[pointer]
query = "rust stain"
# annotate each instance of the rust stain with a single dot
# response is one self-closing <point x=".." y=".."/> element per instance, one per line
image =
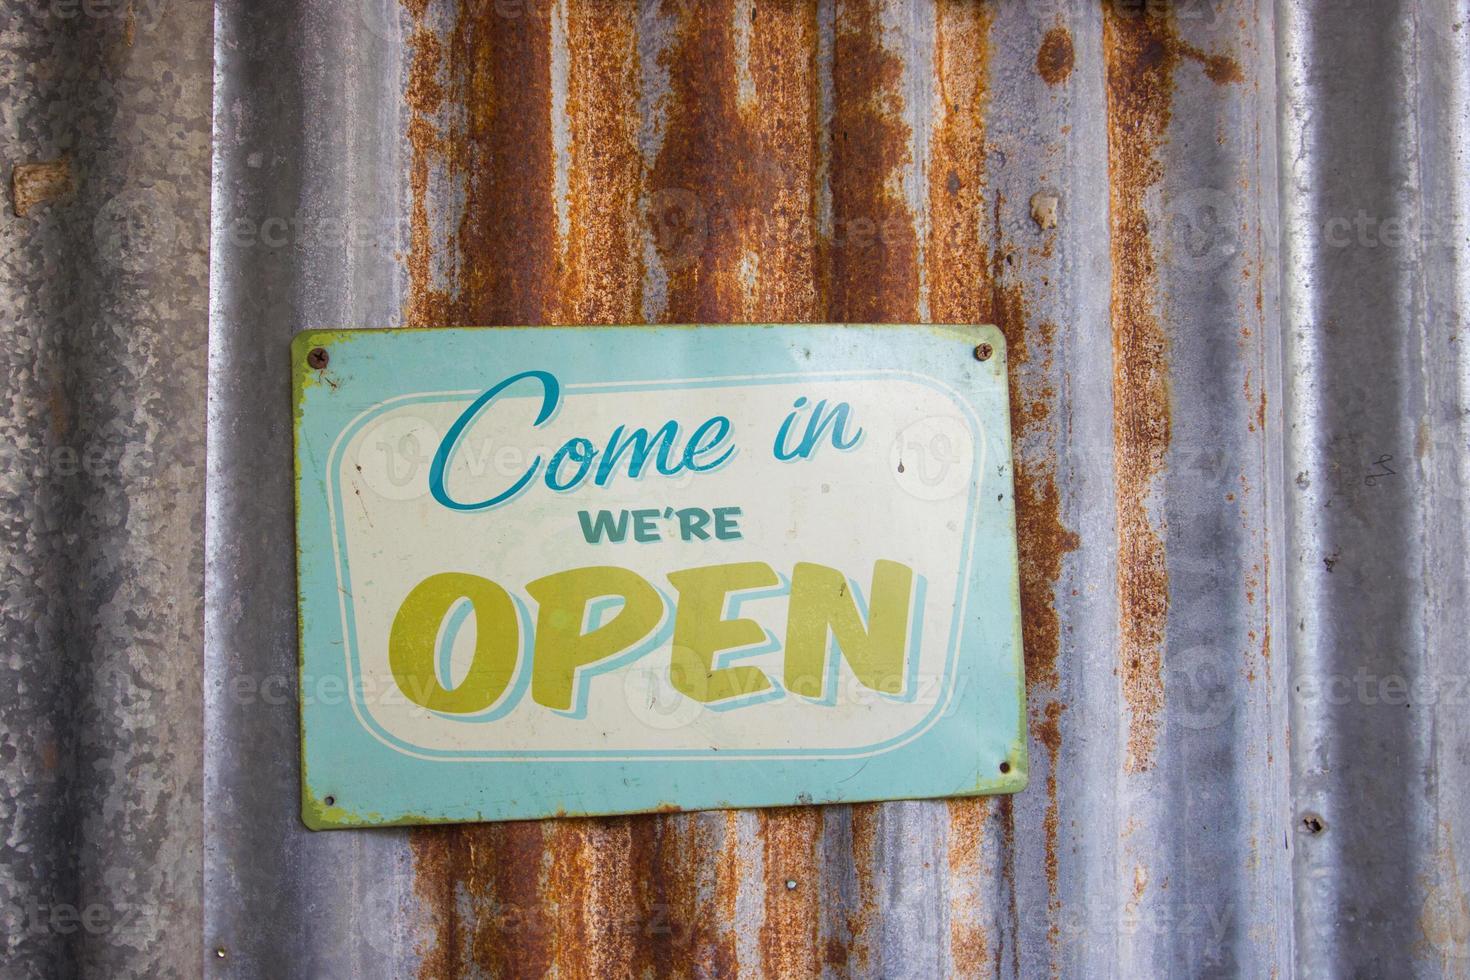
<point x="675" y="920"/>
<point x="874" y="247"/>
<point x="425" y="98"/>
<point x="790" y="841"/>
<point x="1048" y="731"/>
<point x="956" y="257"/>
<point x="1055" y="57"/>
<point x="33" y="184"/>
<point x="498" y="869"/>
<point x="969" y="943"/>
<point x="861" y="960"/>
<point x="968" y="267"/>
<point x="1219" y="68"/>
<point x="732" y="221"/>
<point x="1140" y="54"/>
<point x="603" y="253"/>
<point x="656" y="895"/>
<point x="592" y="887"/>
<point x="701" y="198"/>
<point x="785" y="118"/>
<point x="501" y="256"/>
<point x="732" y="191"/>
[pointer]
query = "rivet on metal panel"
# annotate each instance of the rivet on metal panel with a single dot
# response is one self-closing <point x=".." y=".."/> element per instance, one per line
<point x="1005" y="767"/>
<point x="317" y="358"/>
<point x="791" y="884"/>
<point x="983" y="352"/>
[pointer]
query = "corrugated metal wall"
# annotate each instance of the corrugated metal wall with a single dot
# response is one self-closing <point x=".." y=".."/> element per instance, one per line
<point x="1224" y="239"/>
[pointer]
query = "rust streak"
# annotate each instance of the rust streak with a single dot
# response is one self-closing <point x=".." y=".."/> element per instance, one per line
<point x="425" y="98"/>
<point x="956" y="258"/>
<point x="703" y="191"/>
<point x="784" y="118"/>
<point x="874" y="248"/>
<point x="480" y="109"/>
<point x="33" y="184"/>
<point x="969" y="943"/>
<point x="789" y="933"/>
<point x="602" y="281"/>
<point x="498" y="870"/>
<point x="968" y="278"/>
<point x="861" y="960"/>
<point x="1140" y="54"/>
<point x="500" y="895"/>
<point x="1048" y="731"/>
<point x="1221" y="69"/>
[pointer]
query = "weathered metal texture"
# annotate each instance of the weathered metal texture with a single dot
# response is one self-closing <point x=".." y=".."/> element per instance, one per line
<point x="1139" y="194"/>
<point x="105" y="135"/>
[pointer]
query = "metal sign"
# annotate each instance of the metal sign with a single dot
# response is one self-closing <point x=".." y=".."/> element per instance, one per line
<point x="549" y="571"/>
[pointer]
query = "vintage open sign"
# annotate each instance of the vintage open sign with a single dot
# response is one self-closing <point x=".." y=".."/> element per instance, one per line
<point x="564" y="570"/>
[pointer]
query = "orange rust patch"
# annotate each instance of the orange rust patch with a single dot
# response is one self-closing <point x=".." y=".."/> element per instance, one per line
<point x="788" y="936"/>
<point x="732" y="191"/>
<point x="496" y="867"/>
<point x="592" y="886"/>
<point x="969" y="944"/>
<point x="1219" y="68"/>
<point x="874" y="248"/>
<point x="955" y="257"/>
<point x="1048" y="731"/>
<point x="1140" y="54"/>
<point x="501" y="257"/>
<point x="785" y="121"/>
<point x="1043" y="541"/>
<point x="1055" y="57"/>
<point x="864" y="816"/>
<point x="700" y="198"/>
<point x="603" y="275"/>
<point x="33" y="184"/>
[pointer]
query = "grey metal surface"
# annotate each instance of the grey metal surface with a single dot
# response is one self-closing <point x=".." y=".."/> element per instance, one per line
<point x="105" y="132"/>
<point x="1245" y="636"/>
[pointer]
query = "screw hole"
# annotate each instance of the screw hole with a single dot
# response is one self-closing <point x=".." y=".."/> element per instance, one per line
<point x="983" y="352"/>
<point x="1005" y="767"/>
<point x="1313" y="824"/>
<point x="317" y="358"/>
<point x="330" y="801"/>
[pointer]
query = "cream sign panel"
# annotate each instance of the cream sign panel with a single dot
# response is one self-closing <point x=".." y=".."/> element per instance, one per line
<point x="581" y="570"/>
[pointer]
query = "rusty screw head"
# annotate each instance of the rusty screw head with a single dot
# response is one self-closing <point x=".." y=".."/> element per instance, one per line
<point x="317" y="358"/>
<point x="983" y="352"/>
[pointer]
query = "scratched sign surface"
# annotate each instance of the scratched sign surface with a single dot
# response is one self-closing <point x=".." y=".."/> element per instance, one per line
<point x="551" y="571"/>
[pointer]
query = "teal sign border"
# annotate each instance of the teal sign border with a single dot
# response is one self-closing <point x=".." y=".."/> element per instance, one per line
<point x="350" y="778"/>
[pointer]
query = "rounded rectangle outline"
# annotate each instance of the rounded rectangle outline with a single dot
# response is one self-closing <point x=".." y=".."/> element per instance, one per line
<point x="373" y="727"/>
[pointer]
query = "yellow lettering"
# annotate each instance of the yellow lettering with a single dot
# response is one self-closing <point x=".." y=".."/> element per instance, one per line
<point x="700" y="632"/>
<point x="413" y="643"/>
<point x="562" y="648"/>
<point x="822" y="602"/>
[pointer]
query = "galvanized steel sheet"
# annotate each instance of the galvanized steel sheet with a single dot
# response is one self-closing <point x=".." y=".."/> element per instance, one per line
<point x="1223" y="240"/>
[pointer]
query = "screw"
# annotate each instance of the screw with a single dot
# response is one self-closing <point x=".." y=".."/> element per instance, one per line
<point x="317" y="358"/>
<point x="220" y="953"/>
<point x="983" y="352"/>
<point x="1005" y="767"/>
<point x="791" y="884"/>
